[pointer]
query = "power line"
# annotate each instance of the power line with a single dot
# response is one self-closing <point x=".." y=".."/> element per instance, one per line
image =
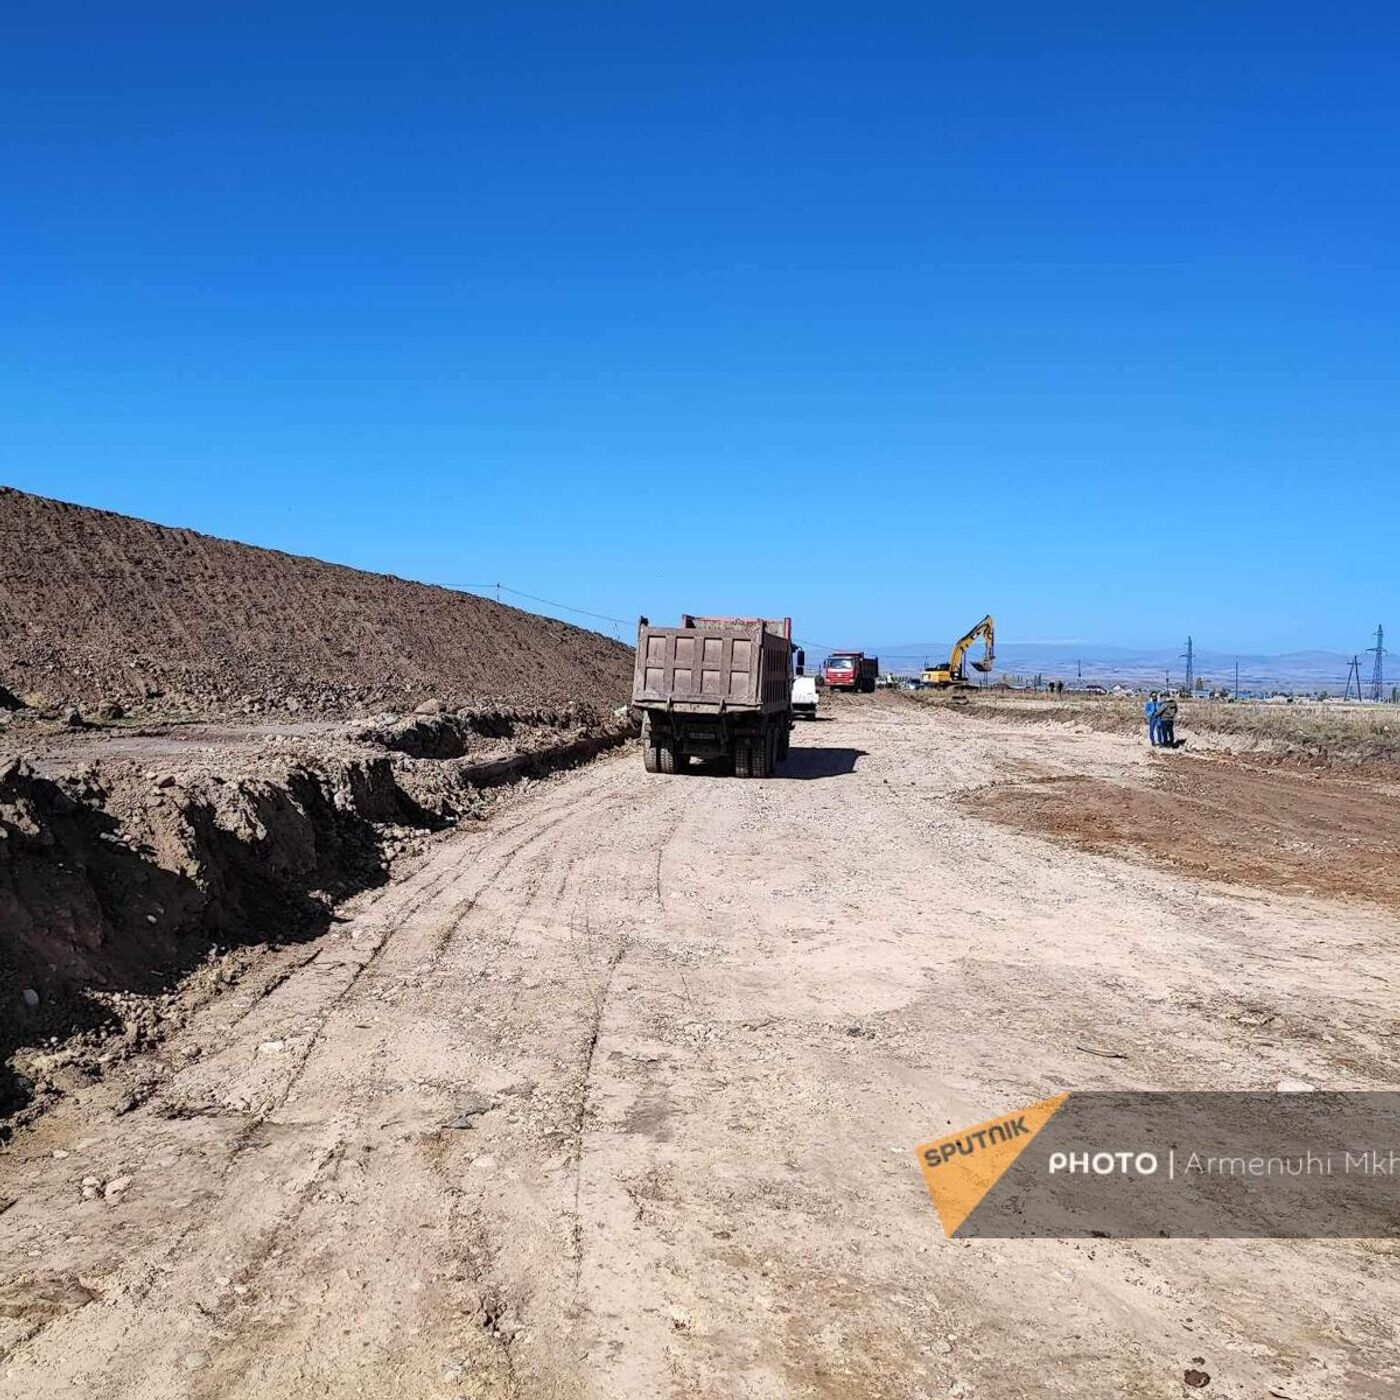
<point x="534" y="598"/>
<point x="499" y="588"/>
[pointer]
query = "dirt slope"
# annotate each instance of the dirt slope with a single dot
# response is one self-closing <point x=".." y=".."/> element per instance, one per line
<point x="96" y="606"/>
<point x="616" y="1095"/>
<point x="119" y="877"/>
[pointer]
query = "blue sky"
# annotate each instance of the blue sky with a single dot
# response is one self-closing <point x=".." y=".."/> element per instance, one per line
<point x="884" y="317"/>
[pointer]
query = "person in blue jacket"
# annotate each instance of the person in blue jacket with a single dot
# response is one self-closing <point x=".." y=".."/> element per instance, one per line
<point x="1150" y="711"/>
<point x="1166" y="722"/>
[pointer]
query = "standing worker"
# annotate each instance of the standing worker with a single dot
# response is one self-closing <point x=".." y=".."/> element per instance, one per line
<point x="1166" y="723"/>
<point x="1150" y="711"/>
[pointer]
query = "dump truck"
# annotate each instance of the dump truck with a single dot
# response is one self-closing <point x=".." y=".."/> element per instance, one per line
<point x="851" y="670"/>
<point x="715" y="688"/>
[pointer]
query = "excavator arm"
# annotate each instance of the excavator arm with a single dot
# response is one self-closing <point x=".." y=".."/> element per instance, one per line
<point x="986" y="631"/>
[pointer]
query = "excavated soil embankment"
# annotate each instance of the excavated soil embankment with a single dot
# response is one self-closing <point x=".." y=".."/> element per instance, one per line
<point x="100" y="610"/>
<point x="186" y="766"/>
<point x="118" y="880"/>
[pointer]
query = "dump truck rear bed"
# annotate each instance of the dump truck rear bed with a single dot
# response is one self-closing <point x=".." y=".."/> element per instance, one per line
<point x="715" y="688"/>
<point x="712" y="668"/>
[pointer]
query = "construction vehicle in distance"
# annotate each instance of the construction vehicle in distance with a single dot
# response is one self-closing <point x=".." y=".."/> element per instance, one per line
<point x="715" y="688"/>
<point x="953" y="675"/>
<point x="851" y="670"/>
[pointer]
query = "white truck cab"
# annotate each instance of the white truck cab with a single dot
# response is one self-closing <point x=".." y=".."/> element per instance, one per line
<point x="804" y="697"/>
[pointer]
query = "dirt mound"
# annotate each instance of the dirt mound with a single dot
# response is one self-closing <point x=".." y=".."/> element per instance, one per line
<point x="97" y="607"/>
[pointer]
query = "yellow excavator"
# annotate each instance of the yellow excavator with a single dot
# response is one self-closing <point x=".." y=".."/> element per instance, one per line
<point x="953" y="674"/>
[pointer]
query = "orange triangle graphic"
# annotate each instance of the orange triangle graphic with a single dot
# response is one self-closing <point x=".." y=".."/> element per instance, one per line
<point x="962" y="1168"/>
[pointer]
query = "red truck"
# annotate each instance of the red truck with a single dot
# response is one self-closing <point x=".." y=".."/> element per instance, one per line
<point x="850" y="670"/>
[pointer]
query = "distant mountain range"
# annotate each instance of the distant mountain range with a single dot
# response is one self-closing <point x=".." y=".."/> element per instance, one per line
<point x="1116" y="665"/>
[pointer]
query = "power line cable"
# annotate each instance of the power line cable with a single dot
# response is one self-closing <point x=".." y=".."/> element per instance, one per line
<point x="500" y="588"/>
<point x="534" y="598"/>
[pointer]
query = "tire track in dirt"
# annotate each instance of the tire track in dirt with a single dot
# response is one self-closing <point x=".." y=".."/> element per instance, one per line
<point x="164" y="1106"/>
<point x="594" y="860"/>
<point x="383" y="930"/>
<point x="581" y="1118"/>
<point x="529" y="887"/>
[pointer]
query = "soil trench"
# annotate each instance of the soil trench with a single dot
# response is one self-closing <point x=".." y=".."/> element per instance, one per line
<point x="117" y="881"/>
<point x="616" y="1094"/>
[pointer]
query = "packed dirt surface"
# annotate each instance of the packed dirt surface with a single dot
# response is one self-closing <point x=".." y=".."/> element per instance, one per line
<point x="107" y="613"/>
<point x="616" y="1095"/>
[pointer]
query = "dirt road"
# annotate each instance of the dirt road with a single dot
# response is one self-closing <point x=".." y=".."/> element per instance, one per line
<point x="616" y="1096"/>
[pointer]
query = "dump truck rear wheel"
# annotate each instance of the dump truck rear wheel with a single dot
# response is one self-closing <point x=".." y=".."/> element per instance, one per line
<point x="743" y="759"/>
<point x="761" y="755"/>
<point x="669" y="758"/>
<point x="651" y="760"/>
